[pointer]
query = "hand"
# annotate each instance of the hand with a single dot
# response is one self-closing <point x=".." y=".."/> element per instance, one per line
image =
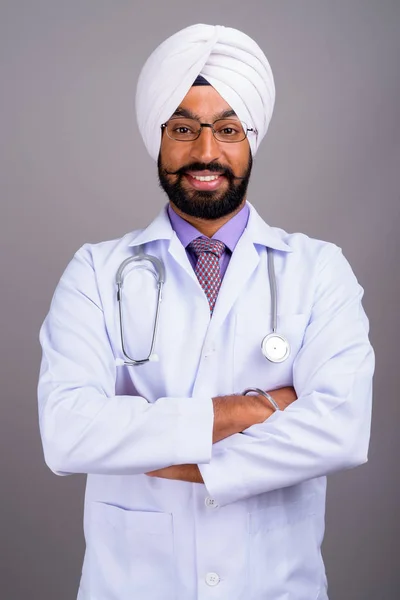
<point x="190" y="473"/>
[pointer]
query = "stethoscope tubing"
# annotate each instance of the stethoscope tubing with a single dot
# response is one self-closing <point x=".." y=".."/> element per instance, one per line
<point x="159" y="275"/>
<point x="273" y="289"/>
<point x="158" y="271"/>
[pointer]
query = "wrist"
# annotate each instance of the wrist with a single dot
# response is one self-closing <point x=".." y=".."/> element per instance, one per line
<point x="266" y="395"/>
<point x="231" y="415"/>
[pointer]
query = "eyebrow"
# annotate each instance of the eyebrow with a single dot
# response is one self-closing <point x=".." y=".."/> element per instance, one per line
<point x="185" y="112"/>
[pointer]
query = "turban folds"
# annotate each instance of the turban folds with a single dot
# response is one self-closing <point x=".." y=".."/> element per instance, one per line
<point x="232" y="63"/>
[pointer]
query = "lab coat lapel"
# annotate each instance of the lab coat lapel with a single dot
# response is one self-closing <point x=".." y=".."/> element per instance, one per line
<point x="178" y="253"/>
<point x="242" y="264"/>
<point x="160" y="229"/>
<point x="245" y="259"/>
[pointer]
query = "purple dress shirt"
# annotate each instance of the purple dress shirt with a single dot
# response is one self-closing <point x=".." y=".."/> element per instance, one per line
<point x="229" y="234"/>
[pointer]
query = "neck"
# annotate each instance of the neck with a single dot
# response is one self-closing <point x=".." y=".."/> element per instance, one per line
<point x="205" y="226"/>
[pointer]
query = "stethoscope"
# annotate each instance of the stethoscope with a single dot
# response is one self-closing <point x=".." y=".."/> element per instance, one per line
<point x="275" y="347"/>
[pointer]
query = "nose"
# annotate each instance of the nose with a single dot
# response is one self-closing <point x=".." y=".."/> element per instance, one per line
<point x="206" y="148"/>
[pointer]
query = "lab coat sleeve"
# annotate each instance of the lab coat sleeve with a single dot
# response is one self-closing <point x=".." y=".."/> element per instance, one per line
<point x="328" y="427"/>
<point x="84" y="426"/>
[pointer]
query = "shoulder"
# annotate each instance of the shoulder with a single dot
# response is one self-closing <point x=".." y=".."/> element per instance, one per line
<point x="315" y="260"/>
<point x="101" y="253"/>
<point x="293" y="247"/>
<point x="307" y="248"/>
<point x="93" y="263"/>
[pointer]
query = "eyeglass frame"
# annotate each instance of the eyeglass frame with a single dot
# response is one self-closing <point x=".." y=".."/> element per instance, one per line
<point x="211" y="125"/>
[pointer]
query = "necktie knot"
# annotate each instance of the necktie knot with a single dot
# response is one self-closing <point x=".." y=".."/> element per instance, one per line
<point x="208" y="253"/>
<point x="200" y="245"/>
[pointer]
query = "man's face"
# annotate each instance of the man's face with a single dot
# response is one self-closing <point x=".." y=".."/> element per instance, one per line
<point x="180" y="164"/>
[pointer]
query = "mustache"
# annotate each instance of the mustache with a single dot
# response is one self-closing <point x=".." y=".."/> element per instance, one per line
<point x="212" y="167"/>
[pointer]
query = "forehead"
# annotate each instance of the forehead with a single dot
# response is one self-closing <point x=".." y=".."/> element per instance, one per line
<point x="204" y="101"/>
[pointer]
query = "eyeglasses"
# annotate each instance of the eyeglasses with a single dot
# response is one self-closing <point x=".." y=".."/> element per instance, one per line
<point x="224" y="130"/>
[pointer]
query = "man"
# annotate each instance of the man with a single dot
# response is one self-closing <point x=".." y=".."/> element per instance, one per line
<point x="197" y="489"/>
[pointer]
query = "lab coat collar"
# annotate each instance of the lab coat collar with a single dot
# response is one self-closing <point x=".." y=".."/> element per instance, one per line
<point x="257" y="230"/>
<point x="263" y="234"/>
<point x="159" y="229"/>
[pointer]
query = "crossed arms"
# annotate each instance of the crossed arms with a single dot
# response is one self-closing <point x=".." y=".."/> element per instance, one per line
<point x="232" y="414"/>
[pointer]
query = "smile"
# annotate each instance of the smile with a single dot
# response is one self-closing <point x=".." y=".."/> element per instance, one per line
<point x="208" y="182"/>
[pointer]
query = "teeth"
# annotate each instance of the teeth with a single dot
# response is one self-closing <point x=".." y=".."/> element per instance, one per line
<point x="205" y="177"/>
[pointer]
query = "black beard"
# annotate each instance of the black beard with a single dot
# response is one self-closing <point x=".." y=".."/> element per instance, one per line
<point x="205" y="204"/>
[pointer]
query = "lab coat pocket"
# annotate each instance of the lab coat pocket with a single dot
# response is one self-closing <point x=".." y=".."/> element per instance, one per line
<point x="130" y="554"/>
<point x="284" y="556"/>
<point x="251" y="368"/>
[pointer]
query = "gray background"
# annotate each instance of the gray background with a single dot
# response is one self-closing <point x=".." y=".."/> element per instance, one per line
<point x="74" y="170"/>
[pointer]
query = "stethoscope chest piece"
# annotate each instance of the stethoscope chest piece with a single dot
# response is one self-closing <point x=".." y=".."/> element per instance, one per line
<point x="275" y="347"/>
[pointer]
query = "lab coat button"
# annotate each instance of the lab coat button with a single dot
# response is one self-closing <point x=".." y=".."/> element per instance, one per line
<point x="209" y="351"/>
<point x="212" y="579"/>
<point x="211" y="503"/>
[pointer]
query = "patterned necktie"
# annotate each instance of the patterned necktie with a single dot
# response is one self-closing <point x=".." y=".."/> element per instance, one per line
<point x="207" y="269"/>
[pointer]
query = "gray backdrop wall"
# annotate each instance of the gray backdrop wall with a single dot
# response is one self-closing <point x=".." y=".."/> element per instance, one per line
<point x="74" y="170"/>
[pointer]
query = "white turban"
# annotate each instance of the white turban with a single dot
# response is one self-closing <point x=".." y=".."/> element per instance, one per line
<point x="230" y="61"/>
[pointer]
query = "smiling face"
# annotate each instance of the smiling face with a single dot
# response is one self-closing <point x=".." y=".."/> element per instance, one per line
<point x="204" y="178"/>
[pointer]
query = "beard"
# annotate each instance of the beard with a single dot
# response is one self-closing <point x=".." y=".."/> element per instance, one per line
<point x="205" y="204"/>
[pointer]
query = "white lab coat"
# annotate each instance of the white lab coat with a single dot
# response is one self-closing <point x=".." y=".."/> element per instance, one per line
<point x="253" y="531"/>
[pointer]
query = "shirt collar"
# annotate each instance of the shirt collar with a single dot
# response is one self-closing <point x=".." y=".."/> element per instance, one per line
<point x="229" y="233"/>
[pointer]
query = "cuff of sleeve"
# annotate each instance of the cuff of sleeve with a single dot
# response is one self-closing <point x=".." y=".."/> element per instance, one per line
<point x="194" y="431"/>
<point x="223" y="488"/>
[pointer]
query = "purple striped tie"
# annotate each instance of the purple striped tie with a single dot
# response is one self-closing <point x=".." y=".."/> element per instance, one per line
<point x="207" y="269"/>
